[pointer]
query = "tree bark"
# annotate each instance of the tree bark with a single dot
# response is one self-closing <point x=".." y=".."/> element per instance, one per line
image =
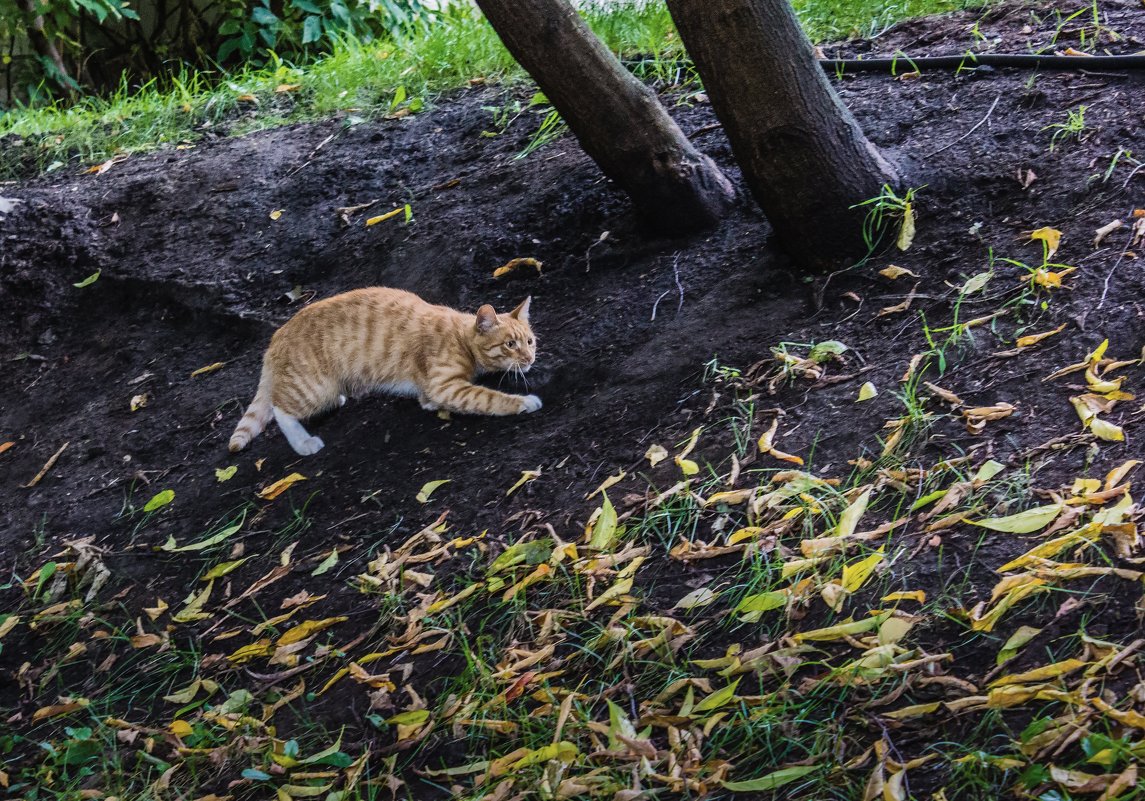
<point x="617" y="119"/>
<point x="803" y="155"/>
<point x="45" y="48"/>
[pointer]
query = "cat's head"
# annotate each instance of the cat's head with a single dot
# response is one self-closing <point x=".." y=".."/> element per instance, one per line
<point x="505" y="341"/>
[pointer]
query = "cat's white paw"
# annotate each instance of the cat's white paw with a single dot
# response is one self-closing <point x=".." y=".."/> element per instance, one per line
<point x="341" y="401"/>
<point x="309" y="446"/>
<point x="530" y="403"/>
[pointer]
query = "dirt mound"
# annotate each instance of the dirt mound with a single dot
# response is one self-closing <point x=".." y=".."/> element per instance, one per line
<point x="202" y="251"/>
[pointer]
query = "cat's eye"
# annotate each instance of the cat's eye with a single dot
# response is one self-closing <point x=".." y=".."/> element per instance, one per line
<point x="530" y="340"/>
<point x="512" y="343"/>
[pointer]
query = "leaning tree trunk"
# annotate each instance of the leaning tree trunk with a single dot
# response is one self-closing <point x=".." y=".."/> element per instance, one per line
<point x="617" y="119"/>
<point x="802" y="153"/>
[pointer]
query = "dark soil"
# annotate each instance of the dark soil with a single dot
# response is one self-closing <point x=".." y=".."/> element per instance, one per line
<point x="194" y="271"/>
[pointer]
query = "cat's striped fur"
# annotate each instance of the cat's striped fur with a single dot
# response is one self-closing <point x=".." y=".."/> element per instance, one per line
<point x="389" y="340"/>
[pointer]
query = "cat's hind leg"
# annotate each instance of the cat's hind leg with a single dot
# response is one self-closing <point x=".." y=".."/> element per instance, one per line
<point x="296" y="435"/>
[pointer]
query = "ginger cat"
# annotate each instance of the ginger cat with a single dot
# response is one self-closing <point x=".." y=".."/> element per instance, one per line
<point x="389" y="340"/>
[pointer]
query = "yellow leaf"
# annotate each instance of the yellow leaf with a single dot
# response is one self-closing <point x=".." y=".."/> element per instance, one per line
<point x="526" y="476"/>
<point x="221" y="569"/>
<point x="514" y="264"/>
<point x="389" y="215"/>
<point x="159" y="500"/>
<point x="274" y="215"/>
<point x="1033" y="339"/>
<point x="913" y="595"/>
<point x="655" y="454"/>
<point x="1025" y="522"/>
<point x="91" y="279"/>
<point x="867" y="391"/>
<point x="894" y="629"/>
<point x="1056" y="670"/>
<point x="604" y="531"/>
<point x="1051" y="236"/>
<point x="280" y="486"/>
<point x="1107" y="431"/>
<point x="719" y="698"/>
<point x="766" y="446"/>
<point x="1118" y="474"/>
<point x="307" y="628"/>
<point x="194" y="608"/>
<point x="139" y="401"/>
<point x="730" y="497"/>
<point x="186" y="695"/>
<point x="858" y="572"/>
<point x="608" y="482"/>
<point x="1014" y="644"/>
<point x="154" y="612"/>
<point x="428" y="488"/>
<point x="851" y="515"/>
<point x="906" y="233"/>
<point x="287" y="87"/>
<point x="210" y="368"/>
<point x="915" y="711"/>
<point x="687" y="466"/>
<point x="892" y="272"/>
<point x="326" y="563"/>
<point x="8" y="623"/>
<point x="179" y="728"/>
<point x="696" y="598"/>
<point x="849" y="628"/>
<point x="414" y="717"/>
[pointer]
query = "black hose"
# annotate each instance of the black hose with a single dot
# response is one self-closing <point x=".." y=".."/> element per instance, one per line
<point x="967" y="61"/>
<point x="972" y="60"/>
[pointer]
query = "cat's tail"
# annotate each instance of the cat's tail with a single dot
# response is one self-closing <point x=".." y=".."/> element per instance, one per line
<point x="257" y="415"/>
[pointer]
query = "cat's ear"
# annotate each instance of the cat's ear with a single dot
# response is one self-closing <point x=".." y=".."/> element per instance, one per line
<point x="522" y="312"/>
<point x="486" y="319"/>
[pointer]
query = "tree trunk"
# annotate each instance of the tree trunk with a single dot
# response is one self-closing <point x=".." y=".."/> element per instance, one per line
<point x="802" y="153"/>
<point x="617" y="119"/>
<point x="45" y="48"/>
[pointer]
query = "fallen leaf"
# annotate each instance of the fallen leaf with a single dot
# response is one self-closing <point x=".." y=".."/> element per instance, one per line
<point x="6" y="445"/>
<point x="514" y="264"/>
<point x="526" y="476"/>
<point x="608" y="482"/>
<point x="906" y="233"/>
<point x="326" y="563"/>
<point x="1107" y="431"/>
<point x="308" y="628"/>
<point x="210" y="368"/>
<point x="428" y="489"/>
<point x="771" y="781"/>
<point x="899" y="307"/>
<point x="274" y="215"/>
<point x="655" y="454"/>
<point x="856" y="573"/>
<point x="1025" y="522"/>
<point x="214" y="539"/>
<point x="139" y="401"/>
<point x="867" y="391"/>
<point x="1015" y="643"/>
<point x="976" y="283"/>
<point x="280" y="486"/>
<point x="696" y="599"/>
<point x="389" y="215"/>
<point x="91" y="279"/>
<point x="1052" y="238"/>
<point x="193" y="610"/>
<point x="225" y="473"/>
<point x="1033" y="339"/>
<point x="159" y="500"/>
<point x="892" y="272"/>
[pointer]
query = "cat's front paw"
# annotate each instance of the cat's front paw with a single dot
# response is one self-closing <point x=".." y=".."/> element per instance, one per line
<point x="530" y="403"/>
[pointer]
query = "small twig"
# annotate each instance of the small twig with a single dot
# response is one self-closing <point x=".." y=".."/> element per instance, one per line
<point x="679" y="286"/>
<point x="1113" y="269"/>
<point x="47" y="466"/>
<point x="715" y="126"/>
<point x="1136" y="170"/>
<point x="972" y="130"/>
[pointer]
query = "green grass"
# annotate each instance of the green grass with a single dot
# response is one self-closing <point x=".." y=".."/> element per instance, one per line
<point x="360" y="81"/>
